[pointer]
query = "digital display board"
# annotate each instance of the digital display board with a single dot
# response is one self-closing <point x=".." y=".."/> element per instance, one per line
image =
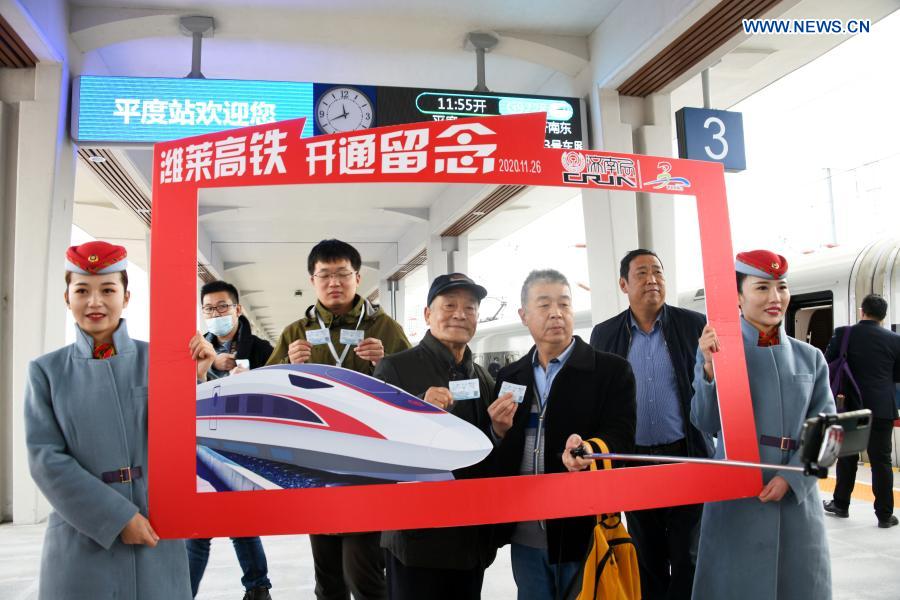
<point x="143" y="109"/>
<point x="395" y="106"/>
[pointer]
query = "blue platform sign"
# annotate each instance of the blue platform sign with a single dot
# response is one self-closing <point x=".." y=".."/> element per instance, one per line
<point x="712" y="135"/>
<point x="151" y="109"/>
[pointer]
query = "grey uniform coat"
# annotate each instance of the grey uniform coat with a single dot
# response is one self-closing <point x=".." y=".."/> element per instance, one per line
<point x="84" y="417"/>
<point x="776" y="550"/>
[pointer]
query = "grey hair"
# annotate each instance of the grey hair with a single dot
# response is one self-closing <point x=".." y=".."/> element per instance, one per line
<point x="543" y="275"/>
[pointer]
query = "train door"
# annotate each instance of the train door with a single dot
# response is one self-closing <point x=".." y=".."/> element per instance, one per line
<point x="810" y="318"/>
<point x="213" y="420"/>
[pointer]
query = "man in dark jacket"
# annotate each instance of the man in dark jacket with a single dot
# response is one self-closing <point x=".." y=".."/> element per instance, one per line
<point x="660" y="343"/>
<point x="443" y="562"/>
<point x="229" y="331"/>
<point x="230" y="336"/>
<point x="567" y="393"/>
<point x="873" y="354"/>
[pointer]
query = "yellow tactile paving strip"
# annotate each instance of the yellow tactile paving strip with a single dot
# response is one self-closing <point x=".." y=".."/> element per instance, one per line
<point x="862" y="490"/>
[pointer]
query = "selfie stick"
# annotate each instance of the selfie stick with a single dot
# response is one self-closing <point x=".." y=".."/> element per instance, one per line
<point x="826" y="448"/>
<point x="698" y="461"/>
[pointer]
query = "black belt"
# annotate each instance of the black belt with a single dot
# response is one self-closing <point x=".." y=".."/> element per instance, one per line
<point x="676" y="448"/>
<point x="122" y="475"/>
<point x="782" y="443"/>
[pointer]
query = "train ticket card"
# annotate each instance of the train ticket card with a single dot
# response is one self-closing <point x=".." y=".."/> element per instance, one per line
<point x="518" y="391"/>
<point x="317" y="336"/>
<point x="465" y="389"/>
<point x="352" y="337"/>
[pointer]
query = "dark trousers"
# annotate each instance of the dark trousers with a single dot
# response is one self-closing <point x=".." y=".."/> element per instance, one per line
<point x="250" y="555"/>
<point x="666" y="543"/>
<point x="666" y="540"/>
<point x="349" y="563"/>
<point x="420" y="583"/>
<point x="879" y="451"/>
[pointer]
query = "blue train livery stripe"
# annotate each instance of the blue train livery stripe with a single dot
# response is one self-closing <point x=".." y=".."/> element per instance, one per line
<point x="257" y="405"/>
<point x="367" y="385"/>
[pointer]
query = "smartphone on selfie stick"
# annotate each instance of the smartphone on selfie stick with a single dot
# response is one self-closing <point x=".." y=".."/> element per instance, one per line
<point x="826" y="438"/>
<point x="823" y="439"/>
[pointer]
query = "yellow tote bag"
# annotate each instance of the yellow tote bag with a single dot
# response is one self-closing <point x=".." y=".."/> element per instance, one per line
<point x="610" y="570"/>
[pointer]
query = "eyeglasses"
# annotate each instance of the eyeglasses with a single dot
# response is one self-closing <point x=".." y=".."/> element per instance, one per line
<point x="220" y="308"/>
<point x="340" y="275"/>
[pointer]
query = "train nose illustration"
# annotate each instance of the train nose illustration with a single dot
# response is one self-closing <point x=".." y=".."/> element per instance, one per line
<point x="335" y="420"/>
<point x="458" y="438"/>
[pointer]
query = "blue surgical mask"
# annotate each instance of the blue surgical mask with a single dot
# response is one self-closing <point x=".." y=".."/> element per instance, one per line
<point x="220" y="326"/>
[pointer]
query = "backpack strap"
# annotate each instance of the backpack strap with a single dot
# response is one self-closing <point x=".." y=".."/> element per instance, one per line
<point x="611" y="520"/>
<point x="845" y="341"/>
<point x="599" y="447"/>
<point x="839" y="373"/>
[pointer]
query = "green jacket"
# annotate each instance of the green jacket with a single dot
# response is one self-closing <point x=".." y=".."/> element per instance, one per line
<point x="376" y="323"/>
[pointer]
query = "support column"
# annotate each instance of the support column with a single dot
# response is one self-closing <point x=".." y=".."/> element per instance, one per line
<point x="617" y="222"/>
<point x="610" y="218"/>
<point x="6" y="418"/>
<point x="457" y="251"/>
<point x="392" y="298"/>
<point x="400" y="301"/>
<point x="656" y="212"/>
<point x="437" y="257"/>
<point x="38" y="169"/>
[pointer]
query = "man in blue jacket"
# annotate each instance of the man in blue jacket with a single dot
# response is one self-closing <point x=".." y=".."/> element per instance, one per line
<point x="660" y="343"/>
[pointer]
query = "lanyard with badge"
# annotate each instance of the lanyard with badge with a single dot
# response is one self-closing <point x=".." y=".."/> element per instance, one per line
<point x="349" y="337"/>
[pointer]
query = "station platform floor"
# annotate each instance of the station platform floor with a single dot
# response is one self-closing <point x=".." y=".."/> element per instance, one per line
<point x="865" y="560"/>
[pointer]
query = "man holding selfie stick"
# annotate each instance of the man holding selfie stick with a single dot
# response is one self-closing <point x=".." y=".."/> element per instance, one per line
<point x="555" y="398"/>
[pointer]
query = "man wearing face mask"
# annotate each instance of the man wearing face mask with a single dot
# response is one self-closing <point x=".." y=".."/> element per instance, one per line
<point x="230" y="336"/>
<point x="229" y="331"/>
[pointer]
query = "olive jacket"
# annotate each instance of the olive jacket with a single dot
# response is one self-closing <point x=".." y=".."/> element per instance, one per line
<point x="375" y="323"/>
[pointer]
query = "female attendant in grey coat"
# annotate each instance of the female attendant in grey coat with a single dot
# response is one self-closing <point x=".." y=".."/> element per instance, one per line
<point x="86" y="431"/>
<point x="773" y="545"/>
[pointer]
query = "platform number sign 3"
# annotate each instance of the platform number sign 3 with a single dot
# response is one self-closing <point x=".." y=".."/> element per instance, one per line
<point x="711" y="135"/>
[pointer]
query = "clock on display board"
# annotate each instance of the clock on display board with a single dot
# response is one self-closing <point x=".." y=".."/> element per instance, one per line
<point x="344" y="108"/>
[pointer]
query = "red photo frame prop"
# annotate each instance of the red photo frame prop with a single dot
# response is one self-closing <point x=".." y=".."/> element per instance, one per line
<point x="494" y="150"/>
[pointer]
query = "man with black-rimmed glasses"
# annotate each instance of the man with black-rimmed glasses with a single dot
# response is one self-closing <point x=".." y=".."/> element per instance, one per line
<point x="228" y="330"/>
<point x="346" y="330"/>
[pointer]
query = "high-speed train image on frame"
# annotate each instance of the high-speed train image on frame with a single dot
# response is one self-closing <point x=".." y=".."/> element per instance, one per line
<point x="335" y="420"/>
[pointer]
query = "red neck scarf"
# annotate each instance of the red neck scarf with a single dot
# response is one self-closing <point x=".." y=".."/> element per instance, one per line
<point x="102" y="351"/>
<point x="768" y="339"/>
